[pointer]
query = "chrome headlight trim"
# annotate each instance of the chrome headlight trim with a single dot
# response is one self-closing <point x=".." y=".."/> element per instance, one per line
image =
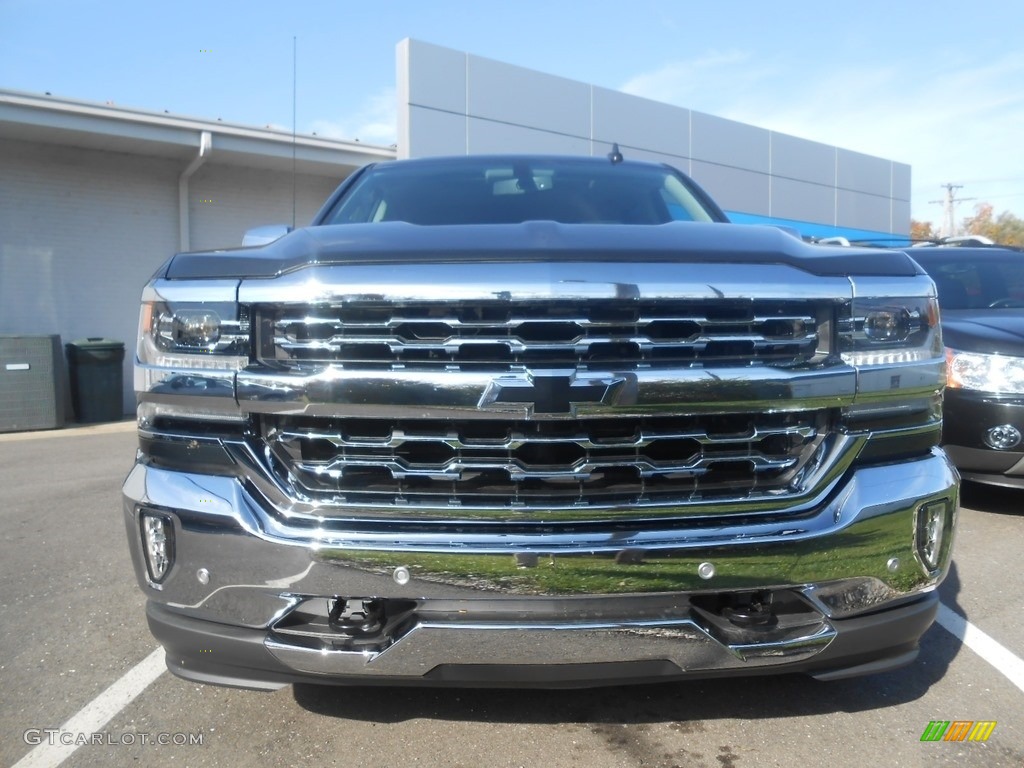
<point x="891" y="331"/>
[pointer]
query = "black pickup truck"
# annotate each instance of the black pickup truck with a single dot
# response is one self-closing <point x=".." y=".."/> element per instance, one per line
<point x="546" y="421"/>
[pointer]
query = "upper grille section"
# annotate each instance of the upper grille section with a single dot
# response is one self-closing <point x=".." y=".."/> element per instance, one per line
<point x="500" y="335"/>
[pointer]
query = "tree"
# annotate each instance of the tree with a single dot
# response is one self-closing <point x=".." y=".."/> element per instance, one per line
<point x="922" y="230"/>
<point x="1005" y="229"/>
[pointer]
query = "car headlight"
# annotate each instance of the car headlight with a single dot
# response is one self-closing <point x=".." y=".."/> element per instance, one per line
<point x="887" y="331"/>
<point x="987" y="373"/>
<point x="193" y="335"/>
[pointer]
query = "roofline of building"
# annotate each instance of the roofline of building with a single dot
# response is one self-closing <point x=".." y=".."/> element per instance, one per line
<point x="68" y="117"/>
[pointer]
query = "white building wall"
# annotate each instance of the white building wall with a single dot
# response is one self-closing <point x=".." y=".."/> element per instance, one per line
<point x="80" y="234"/>
<point x="225" y="201"/>
<point x="83" y="230"/>
<point x="451" y="102"/>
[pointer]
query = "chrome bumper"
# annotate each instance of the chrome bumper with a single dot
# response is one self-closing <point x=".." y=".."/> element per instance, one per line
<point x="522" y="598"/>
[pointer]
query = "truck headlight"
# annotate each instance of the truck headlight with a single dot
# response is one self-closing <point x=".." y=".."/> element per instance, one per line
<point x="203" y="335"/>
<point x="887" y="331"/>
<point x="987" y="373"/>
<point x="188" y="328"/>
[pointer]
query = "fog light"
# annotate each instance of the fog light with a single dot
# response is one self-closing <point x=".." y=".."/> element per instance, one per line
<point x="1003" y="437"/>
<point x="158" y="544"/>
<point x="932" y="531"/>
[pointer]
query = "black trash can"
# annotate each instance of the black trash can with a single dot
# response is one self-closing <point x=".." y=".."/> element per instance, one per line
<point x="97" y="379"/>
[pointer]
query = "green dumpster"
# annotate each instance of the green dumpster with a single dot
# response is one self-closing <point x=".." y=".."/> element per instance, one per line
<point x="97" y="380"/>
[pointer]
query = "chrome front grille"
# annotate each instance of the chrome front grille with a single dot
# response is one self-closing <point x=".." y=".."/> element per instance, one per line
<point x="542" y="465"/>
<point x="580" y="334"/>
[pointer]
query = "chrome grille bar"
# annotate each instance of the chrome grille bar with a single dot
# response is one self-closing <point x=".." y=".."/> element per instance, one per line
<point x="398" y="436"/>
<point x="541" y="463"/>
<point x="779" y="332"/>
<point x="455" y="469"/>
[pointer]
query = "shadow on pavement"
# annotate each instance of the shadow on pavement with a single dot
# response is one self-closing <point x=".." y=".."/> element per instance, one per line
<point x="992" y="498"/>
<point x="747" y="698"/>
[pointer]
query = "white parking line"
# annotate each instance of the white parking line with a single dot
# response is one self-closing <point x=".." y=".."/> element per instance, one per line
<point x="97" y="712"/>
<point x="1005" y="661"/>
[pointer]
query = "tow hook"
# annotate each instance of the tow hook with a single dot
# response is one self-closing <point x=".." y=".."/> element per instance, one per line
<point x="751" y="611"/>
<point x="357" y="618"/>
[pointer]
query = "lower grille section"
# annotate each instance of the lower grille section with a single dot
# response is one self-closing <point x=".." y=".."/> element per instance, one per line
<point x="712" y="631"/>
<point x="543" y="465"/>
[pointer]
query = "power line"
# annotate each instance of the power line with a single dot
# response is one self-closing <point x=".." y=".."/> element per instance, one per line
<point x="1008" y="194"/>
<point x="993" y="181"/>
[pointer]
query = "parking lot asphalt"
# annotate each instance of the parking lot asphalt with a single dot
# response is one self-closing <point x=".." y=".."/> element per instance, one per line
<point x="72" y="626"/>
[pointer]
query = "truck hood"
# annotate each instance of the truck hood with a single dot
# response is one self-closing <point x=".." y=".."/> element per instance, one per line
<point x="985" y="331"/>
<point x="535" y="241"/>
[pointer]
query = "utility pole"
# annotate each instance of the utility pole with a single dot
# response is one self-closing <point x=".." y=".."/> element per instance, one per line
<point x="948" y="228"/>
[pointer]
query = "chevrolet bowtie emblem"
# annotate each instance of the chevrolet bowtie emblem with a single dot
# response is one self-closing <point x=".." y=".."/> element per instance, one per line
<point x="549" y="393"/>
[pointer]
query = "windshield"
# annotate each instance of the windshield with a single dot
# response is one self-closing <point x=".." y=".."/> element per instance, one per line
<point x="976" y="281"/>
<point x="482" y="190"/>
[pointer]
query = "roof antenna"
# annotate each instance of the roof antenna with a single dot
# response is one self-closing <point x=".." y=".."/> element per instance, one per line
<point x="295" y="48"/>
<point x="615" y="156"/>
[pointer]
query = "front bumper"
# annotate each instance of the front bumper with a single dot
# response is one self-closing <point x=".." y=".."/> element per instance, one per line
<point x="840" y="590"/>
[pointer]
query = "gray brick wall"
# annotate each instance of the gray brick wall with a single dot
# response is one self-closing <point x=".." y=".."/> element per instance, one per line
<point x="241" y="198"/>
<point x="82" y="230"/>
<point x="80" y="233"/>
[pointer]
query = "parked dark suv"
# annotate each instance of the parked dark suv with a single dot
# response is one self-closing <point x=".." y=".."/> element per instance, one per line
<point x="981" y="295"/>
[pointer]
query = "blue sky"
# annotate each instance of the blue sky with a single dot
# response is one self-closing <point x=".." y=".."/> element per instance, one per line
<point x="938" y="85"/>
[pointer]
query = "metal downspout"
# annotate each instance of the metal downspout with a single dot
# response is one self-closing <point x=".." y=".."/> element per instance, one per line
<point x="205" y="145"/>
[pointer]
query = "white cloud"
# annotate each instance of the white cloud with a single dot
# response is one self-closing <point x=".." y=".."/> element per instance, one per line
<point x="959" y="125"/>
<point x="374" y="122"/>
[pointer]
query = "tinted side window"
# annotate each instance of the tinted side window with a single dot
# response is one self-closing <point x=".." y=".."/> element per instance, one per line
<point x="978" y="283"/>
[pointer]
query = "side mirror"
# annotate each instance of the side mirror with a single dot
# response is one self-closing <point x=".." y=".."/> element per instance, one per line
<point x="265" y="234"/>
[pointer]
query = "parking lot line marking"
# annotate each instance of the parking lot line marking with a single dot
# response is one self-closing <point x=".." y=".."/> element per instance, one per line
<point x="97" y="712"/>
<point x="1005" y="661"/>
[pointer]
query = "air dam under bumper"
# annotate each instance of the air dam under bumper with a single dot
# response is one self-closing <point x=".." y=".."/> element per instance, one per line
<point x="254" y="601"/>
<point x="206" y="652"/>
